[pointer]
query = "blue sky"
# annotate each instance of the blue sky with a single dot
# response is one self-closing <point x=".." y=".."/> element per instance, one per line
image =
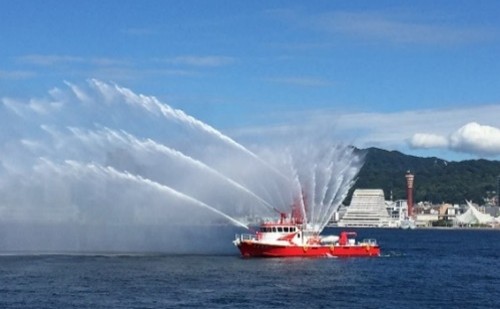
<point x="421" y="77"/>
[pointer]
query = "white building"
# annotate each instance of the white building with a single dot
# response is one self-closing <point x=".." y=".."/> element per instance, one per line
<point x="367" y="209"/>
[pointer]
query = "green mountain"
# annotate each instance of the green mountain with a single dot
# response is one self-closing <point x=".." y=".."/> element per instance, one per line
<point x="436" y="180"/>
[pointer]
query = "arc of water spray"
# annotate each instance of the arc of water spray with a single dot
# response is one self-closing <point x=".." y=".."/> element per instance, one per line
<point x="330" y="203"/>
<point x="328" y="180"/>
<point x="114" y="93"/>
<point x="151" y="103"/>
<point x="327" y="175"/>
<point x="313" y="191"/>
<point x="333" y="209"/>
<point x="150" y="144"/>
<point x="111" y="172"/>
<point x="189" y="159"/>
<point x="306" y="216"/>
<point x="301" y="197"/>
<point x="327" y="203"/>
<point x="345" y="183"/>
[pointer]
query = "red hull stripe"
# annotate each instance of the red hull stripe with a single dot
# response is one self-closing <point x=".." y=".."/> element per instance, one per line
<point x="249" y="249"/>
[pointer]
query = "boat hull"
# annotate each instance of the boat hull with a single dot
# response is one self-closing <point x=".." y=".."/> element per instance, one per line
<point x="256" y="249"/>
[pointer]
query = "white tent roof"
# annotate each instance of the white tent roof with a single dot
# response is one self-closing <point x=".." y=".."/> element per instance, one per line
<point x="474" y="216"/>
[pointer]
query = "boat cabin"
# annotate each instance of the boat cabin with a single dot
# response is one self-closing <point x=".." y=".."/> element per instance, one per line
<point x="278" y="229"/>
<point x="278" y="232"/>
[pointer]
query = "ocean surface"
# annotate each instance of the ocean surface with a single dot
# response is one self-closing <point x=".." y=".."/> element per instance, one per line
<point x="417" y="269"/>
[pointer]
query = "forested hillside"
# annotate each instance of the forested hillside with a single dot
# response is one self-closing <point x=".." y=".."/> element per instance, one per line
<point x="436" y="180"/>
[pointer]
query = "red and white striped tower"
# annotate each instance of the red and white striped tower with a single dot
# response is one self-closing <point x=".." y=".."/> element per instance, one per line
<point x="409" y="192"/>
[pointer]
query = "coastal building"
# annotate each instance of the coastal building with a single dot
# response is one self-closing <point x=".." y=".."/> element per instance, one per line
<point x="367" y="209"/>
<point x="426" y="219"/>
<point x="473" y="217"/>
<point x="447" y="212"/>
<point x="493" y="211"/>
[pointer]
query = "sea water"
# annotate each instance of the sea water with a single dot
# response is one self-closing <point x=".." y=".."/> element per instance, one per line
<point x="417" y="269"/>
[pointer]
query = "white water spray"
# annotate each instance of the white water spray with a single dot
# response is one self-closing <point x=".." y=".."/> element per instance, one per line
<point x="76" y="168"/>
<point x="127" y="159"/>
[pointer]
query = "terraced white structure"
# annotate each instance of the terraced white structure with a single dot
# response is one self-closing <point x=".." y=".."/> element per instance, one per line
<point x="367" y="209"/>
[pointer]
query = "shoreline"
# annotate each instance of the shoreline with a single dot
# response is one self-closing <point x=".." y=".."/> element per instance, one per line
<point x="458" y="228"/>
<point x="453" y="228"/>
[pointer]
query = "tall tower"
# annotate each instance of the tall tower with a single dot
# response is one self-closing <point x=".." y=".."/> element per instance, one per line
<point x="409" y="192"/>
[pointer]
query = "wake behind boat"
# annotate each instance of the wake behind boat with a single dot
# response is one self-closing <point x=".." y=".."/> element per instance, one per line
<point x="289" y="238"/>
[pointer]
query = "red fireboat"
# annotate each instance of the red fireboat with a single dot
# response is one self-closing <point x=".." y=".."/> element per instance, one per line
<point x="290" y="238"/>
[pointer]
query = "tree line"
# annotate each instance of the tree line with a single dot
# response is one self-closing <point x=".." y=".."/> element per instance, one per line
<point x="436" y="180"/>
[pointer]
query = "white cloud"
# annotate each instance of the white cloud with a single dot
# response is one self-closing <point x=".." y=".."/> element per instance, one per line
<point x="400" y="27"/>
<point x="108" y="62"/>
<point x="389" y="25"/>
<point x="51" y="60"/>
<point x="394" y="131"/>
<point x="472" y="138"/>
<point x="117" y="69"/>
<point x="423" y="140"/>
<point x="476" y="139"/>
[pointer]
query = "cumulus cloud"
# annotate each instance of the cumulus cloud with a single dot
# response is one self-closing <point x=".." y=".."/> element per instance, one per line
<point x="423" y="140"/>
<point x="472" y="138"/>
<point x="476" y="138"/>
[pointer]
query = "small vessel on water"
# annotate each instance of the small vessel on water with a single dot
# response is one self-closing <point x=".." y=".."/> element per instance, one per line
<point x="289" y="238"/>
<point x="408" y="223"/>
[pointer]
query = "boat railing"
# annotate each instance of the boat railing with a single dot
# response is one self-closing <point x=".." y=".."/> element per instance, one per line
<point x="243" y="237"/>
<point x="369" y="241"/>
